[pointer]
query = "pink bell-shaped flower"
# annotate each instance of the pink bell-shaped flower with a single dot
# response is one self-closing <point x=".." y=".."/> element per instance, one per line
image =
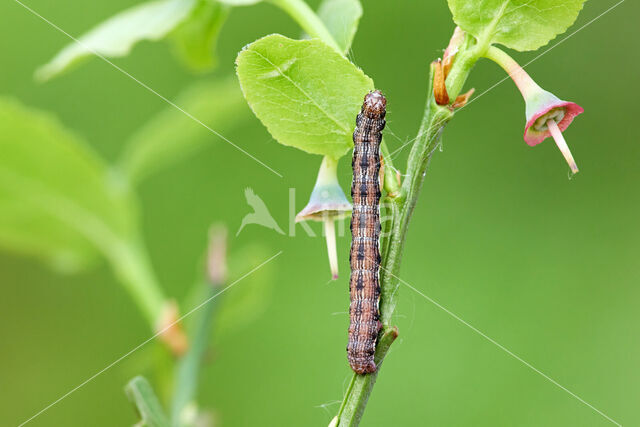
<point x="547" y="115"/>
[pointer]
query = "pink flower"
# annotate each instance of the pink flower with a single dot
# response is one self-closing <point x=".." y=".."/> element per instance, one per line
<point x="547" y="115"/>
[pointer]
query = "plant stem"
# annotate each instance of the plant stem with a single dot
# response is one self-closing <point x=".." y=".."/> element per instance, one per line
<point x="131" y="265"/>
<point x="361" y="385"/>
<point x="434" y="120"/>
<point x="187" y="372"/>
<point x="308" y="20"/>
<point x="470" y="51"/>
<point x="402" y="206"/>
<point x="188" y="369"/>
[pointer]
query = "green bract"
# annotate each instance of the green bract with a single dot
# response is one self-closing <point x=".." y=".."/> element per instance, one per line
<point x="141" y="394"/>
<point x="341" y="18"/>
<point x="117" y="35"/>
<point x="518" y="24"/>
<point x="304" y="92"/>
<point x="57" y="198"/>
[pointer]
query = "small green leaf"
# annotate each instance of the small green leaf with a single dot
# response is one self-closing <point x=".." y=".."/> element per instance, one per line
<point x="341" y="18"/>
<point x="58" y="200"/>
<point x="171" y="135"/>
<point x="141" y="394"/>
<point x="243" y="304"/>
<point x="304" y="92"/>
<point x="117" y="35"/>
<point x="518" y="24"/>
<point x="196" y="37"/>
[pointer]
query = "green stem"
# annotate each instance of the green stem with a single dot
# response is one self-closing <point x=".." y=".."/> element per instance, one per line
<point x="308" y="21"/>
<point x="188" y="369"/>
<point x="402" y="206"/>
<point x="434" y="120"/>
<point x="464" y="62"/>
<point x="361" y="385"/>
<point x="131" y="265"/>
<point x="469" y="52"/>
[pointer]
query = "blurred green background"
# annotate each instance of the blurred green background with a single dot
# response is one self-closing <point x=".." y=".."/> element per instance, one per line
<point x="546" y="266"/>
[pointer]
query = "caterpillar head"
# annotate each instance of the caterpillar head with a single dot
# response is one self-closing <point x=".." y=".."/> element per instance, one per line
<point x="375" y="104"/>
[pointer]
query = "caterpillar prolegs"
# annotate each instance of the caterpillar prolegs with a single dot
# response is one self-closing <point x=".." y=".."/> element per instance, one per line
<point x="364" y="284"/>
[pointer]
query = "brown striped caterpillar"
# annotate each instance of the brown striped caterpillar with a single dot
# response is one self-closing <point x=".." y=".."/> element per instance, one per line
<point x="364" y="284"/>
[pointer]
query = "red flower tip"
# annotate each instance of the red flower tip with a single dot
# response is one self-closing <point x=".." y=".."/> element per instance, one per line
<point x="562" y="112"/>
<point x="547" y="115"/>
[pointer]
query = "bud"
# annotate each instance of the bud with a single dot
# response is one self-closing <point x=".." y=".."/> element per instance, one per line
<point x="450" y="52"/>
<point x="169" y="329"/>
<point x="439" y="88"/>
<point x="217" y="256"/>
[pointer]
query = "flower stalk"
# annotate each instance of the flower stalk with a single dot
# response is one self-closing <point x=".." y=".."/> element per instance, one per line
<point x="327" y="204"/>
<point x="330" y="236"/>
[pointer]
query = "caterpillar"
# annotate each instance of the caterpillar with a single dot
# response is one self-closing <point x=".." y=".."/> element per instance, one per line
<point x="364" y="257"/>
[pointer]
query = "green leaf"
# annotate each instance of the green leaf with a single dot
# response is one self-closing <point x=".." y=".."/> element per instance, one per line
<point x="518" y="24"/>
<point x="243" y="304"/>
<point x="141" y="394"/>
<point x="196" y="37"/>
<point x="341" y="17"/>
<point x="58" y="201"/>
<point x="22" y="233"/>
<point x="171" y="135"/>
<point x="304" y="92"/>
<point x="117" y="35"/>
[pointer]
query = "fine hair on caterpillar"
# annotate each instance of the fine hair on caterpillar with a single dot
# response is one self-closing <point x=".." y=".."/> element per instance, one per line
<point x="364" y="257"/>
